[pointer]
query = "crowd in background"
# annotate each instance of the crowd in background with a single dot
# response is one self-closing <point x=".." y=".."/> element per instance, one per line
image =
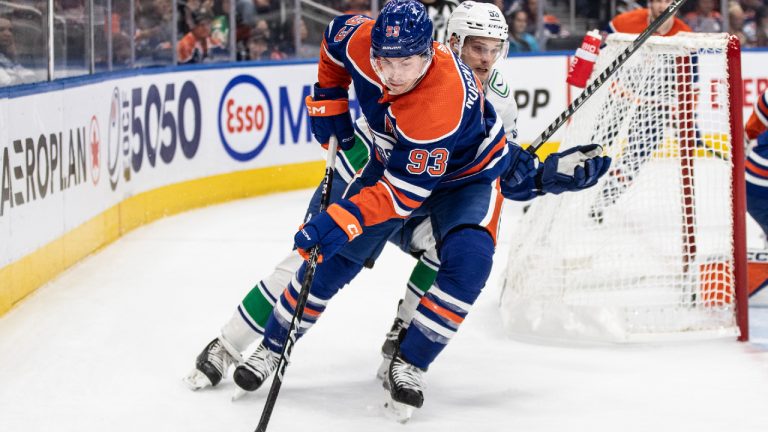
<point x="153" y="33"/>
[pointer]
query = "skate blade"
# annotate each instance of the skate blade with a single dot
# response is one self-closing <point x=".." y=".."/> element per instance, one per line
<point x="381" y="373"/>
<point x="196" y="380"/>
<point x="398" y="411"/>
<point x="239" y="393"/>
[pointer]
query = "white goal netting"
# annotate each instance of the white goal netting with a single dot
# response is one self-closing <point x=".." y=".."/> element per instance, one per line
<point x="647" y="253"/>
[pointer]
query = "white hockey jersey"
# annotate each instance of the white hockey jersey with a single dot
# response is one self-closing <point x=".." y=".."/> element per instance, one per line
<point x="498" y="92"/>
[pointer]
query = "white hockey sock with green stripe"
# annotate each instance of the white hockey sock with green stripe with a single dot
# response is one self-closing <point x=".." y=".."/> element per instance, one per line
<point x="248" y="321"/>
<point x="422" y="278"/>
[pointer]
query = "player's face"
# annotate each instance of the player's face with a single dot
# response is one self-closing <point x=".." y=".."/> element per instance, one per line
<point x="6" y="33"/>
<point x="480" y="53"/>
<point x="400" y="74"/>
<point x="657" y="7"/>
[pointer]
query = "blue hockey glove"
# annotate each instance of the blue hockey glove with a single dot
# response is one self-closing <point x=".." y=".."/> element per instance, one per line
<point x="331" y="230"/>
<point x="329" y="115"/>
<point x="575" y="169"/>
<point x="518" y="183"/>
<point x="522" y="168"/>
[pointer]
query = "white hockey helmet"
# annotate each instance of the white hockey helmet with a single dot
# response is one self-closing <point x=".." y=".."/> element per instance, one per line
<point x="479" y="19"/>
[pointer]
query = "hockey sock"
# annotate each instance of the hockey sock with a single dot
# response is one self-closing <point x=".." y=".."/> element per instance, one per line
<point x="248" y="321"/>
<point x="466" y="258"/>
<point x="329" y="278"/>
<point x="422" y="278"/>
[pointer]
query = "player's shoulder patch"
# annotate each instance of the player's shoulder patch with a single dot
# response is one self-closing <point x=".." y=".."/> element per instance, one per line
<point x="497" y="84"/>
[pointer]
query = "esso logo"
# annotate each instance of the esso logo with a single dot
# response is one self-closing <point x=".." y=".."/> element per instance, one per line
<point x="245" y="117"/>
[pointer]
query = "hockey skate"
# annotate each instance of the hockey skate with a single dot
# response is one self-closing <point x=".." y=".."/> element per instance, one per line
<point x="250" y="375"/>
<point x="405" y="383"/>
<point x="391" y="344"/>
<point x="211" y="365"/>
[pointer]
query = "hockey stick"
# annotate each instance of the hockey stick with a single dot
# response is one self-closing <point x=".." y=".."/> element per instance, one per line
<point x="604" y="75"/>
<point x="301" y="301"/>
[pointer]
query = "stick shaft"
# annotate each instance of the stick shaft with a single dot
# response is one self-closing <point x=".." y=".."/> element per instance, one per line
<point x="301" y="301"/>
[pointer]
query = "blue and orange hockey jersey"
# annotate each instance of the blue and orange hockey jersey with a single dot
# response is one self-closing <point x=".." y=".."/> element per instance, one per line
<point x="440" y="134"/>
<point x="757" y="160"/>
<point x="758" y="121"/>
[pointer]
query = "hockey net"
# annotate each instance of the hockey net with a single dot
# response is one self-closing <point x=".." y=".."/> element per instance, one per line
<point x="654" y="250"/>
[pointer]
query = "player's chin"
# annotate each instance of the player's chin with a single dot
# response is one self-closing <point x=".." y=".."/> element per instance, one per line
<point x="396" y="88"/>
<point x="482" y="73"/>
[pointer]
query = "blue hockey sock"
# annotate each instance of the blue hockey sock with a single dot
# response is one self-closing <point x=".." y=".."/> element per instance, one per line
<point x="329" y="278"/>
<point x="466" y="258"/>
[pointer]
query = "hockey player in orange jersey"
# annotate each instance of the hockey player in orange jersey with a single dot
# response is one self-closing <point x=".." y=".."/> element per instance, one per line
<point x="647" y="122"/>
<point x="757" y="163"/>
<point x="637" y="20"/>
<point x="756" y="175"/>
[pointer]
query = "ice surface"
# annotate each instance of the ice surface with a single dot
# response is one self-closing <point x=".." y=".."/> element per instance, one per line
<point x="104" y="348"/>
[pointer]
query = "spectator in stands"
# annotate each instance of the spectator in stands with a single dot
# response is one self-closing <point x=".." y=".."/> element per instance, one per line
<point x="193" y="47"/>
<point x="259" y="49"/>
<point x="11" y="72"/>
<point x="736" y="21"/>
<point x="121" y="50"/>
<point x="704" y="18"/>
<point x="153" y="34"/>
<point x="439" y="11"/>
<point x="531" y="8"/>
<point x="306" y="48"/>
<point x="358" y="7"/>
<point x="756" y="30"/>
<point x="637" y="20"/>
<point x="519" y="39"/>
<point x="552" y="26"/>
<point x="186" y="8"/>
<point x="121" y="16"/>
<point x="219" y="41"/>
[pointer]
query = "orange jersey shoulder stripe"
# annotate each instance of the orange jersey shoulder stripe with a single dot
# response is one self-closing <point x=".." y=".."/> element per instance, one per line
<point x="443" y="86"/>
<point x="359" y="52"/>
<point x="329" y="72"/>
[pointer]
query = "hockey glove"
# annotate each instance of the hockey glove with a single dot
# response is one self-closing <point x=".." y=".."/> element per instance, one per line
<point x="522" y="168"/>
<point x="572" y="170"/>
<point x="330" y="230"/>
<point x="329" y="115"/>
<point x="518" y="183"/>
